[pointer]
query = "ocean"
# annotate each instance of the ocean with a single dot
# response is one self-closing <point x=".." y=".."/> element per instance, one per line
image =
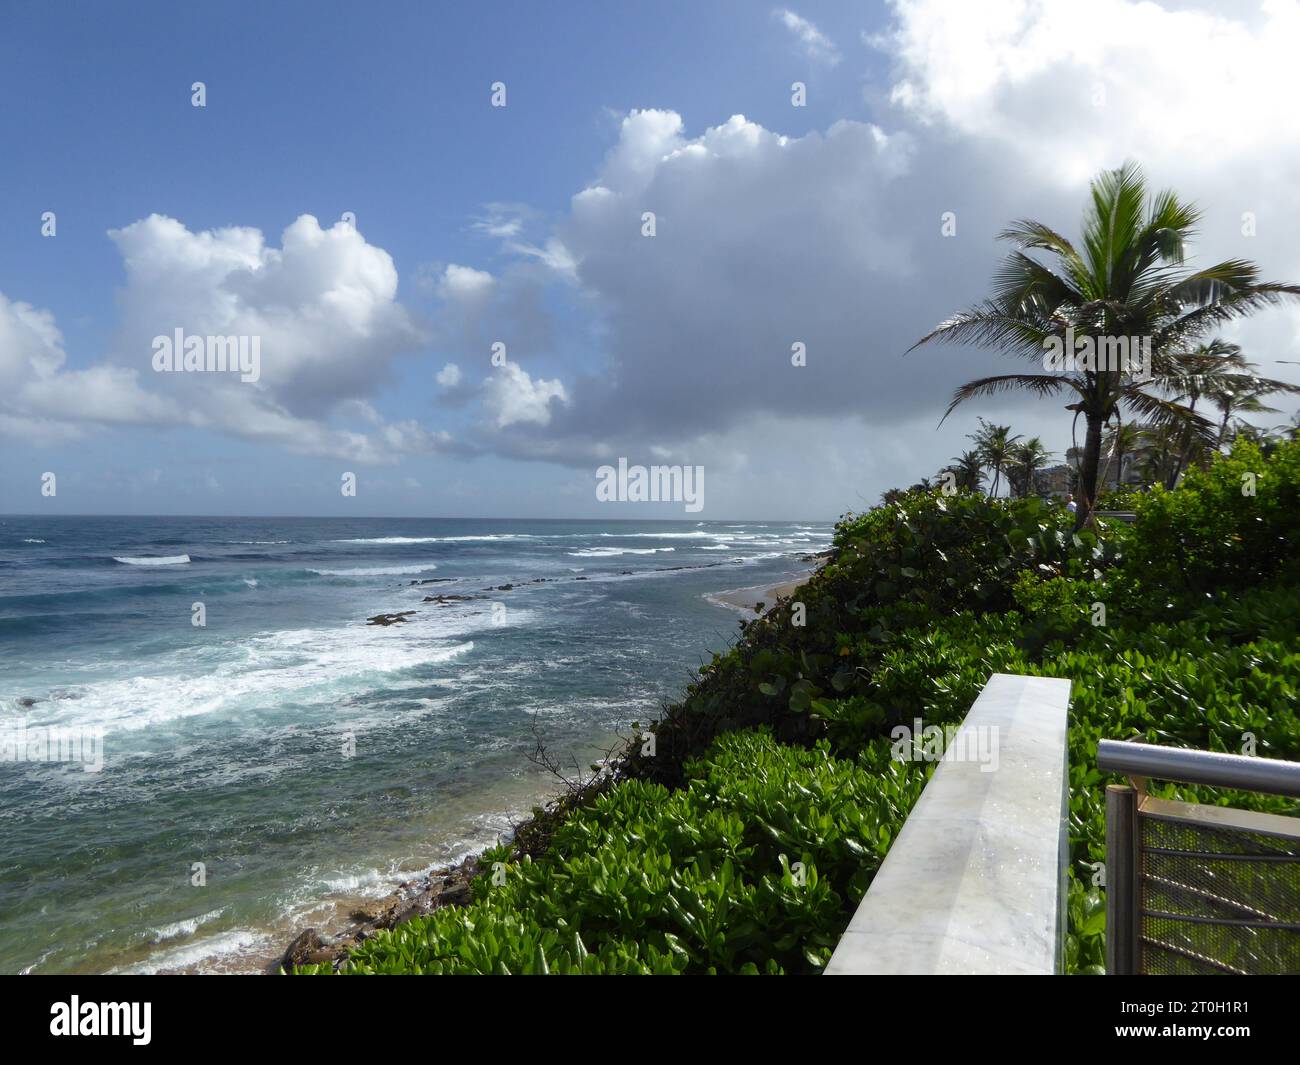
<point x="182" y="797"/>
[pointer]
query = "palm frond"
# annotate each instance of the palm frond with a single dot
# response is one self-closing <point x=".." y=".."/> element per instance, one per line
<point x="1040" y="383"/>
<point x="1167" y="413"/>
<point x="1022" y="281"/>
<point x="990" y="325"/>
<point x="1225" y="307"/>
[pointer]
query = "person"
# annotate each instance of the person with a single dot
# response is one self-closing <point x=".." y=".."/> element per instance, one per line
<point x="1071" y="505"/>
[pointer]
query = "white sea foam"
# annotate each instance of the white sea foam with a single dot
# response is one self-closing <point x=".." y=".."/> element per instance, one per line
<point x="610" y="552"/>
<point x="434" y="539"/>
<point x="225" y="946"/>
<point x="392" y="540"/>
<point x="183" y="928"/>
<point x="166" y="560"/>
<point x="33" y="540"/>
<point x="316" y="667"/>
<point x="659" y="536"/>
<point x="374" y="571"/>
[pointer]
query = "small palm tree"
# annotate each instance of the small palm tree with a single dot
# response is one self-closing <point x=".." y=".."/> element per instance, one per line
<point x="967" y="470"/>
<point x="1160" y="462"/>
<point x="1217" y="372"/>
<point x="994" y="445"/>
<point x="1190" y="378"/>
<point x="1025" y="462"/>
<point x="1197" y="372"/>
<point x="1118" y="444"/>
<point x="1232" y="403"/>
<point x="1243" y="393"/>
<point x="1124" y="281"/>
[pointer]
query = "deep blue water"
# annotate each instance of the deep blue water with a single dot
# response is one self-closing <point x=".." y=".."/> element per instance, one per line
<point x="227" y="744"/>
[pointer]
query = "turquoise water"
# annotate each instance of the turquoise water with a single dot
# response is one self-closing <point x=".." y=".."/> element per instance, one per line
<point x="307" y="760"/>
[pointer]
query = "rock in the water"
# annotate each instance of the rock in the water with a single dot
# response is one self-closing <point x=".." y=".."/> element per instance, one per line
<point x="27" y="700"/>
<point x="389" y="619"/>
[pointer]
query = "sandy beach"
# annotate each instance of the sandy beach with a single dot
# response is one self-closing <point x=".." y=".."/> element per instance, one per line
<point x="746" y="599"/>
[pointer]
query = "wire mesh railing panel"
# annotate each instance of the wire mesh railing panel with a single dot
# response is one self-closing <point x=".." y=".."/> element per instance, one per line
<point x="1217" y="900"/>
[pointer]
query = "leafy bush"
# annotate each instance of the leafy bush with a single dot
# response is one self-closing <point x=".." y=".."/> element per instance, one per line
<point x="1123" y="498"/>
<point x="1223" y="528"/>
<point x="705" y="879"/>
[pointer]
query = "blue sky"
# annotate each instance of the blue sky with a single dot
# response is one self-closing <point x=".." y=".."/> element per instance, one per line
<point x="384" y="111"/>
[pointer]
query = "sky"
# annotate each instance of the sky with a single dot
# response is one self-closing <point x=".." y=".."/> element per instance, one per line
<point x="471" y="308"/>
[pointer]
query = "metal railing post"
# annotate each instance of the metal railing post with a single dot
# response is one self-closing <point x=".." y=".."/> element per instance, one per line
<point x="1121" y="880"/>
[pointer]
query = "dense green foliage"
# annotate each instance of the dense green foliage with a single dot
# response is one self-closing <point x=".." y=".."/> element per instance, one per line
<point x="747" y="839"/>
<point x="644" y="880"/>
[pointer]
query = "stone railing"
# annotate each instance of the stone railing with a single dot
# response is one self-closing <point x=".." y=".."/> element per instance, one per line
<point x="975" y="881"/>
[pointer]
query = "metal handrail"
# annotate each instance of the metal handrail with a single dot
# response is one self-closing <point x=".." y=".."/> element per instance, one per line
<point x="1212" y="768"/>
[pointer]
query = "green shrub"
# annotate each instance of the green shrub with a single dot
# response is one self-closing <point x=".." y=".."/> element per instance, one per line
<point x="1223" y="528"/>
<point x="755" y="866"/>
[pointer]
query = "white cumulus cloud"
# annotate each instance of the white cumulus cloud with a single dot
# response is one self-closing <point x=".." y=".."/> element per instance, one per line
<point x="322" y="307"/>
<point x="512" y="397"/>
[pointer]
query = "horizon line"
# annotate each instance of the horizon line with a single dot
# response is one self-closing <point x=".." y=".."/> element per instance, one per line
<point x="413" y="517"/>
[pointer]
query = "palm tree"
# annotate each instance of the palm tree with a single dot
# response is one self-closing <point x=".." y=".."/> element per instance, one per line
<point x="1290" y="430"/>
<point x="1119" y="443"/>
<point x="994" y="445"/>
<point x="967" y="470"/>
<point x="1217" y="371"/>
<point x="1243" y="393"/>
<point x="1161" y="462"/>
<point x="1188" y="379"/>
<point x="1025" y="462"/>
<point x="1198" y="371"/>
<point x="1124" y="282"/>
<point x="1232" y="402"/>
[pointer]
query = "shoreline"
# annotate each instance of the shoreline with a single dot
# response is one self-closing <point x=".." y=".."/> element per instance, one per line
<point x="747" y="600"/>
<point x="449" y="886"/>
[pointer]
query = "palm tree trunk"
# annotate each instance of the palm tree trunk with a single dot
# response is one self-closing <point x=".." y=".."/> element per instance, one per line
<point x="1223" y="429"/>
<point x="1182" y="442"/>
<point x="1188" y="442"/>
<point x="1088" y="464"/>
